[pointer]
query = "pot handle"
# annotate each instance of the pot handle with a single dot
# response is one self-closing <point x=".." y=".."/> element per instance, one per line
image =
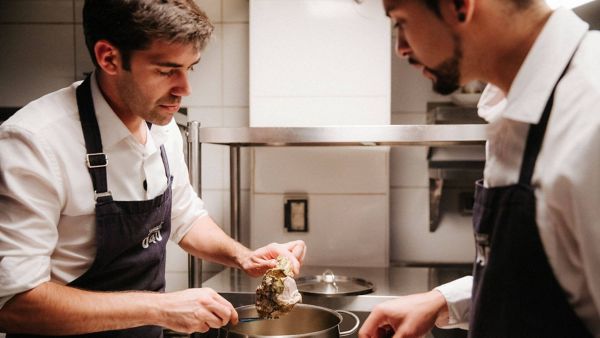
<point x="226" y="329"/>
<point x="354" y="328"/>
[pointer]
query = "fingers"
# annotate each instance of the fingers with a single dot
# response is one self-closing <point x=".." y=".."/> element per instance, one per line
<point x="215" y="311"/>
<point x="219" y="316"/>
<point x="295" y="252"/>
<point x="370" y="327"/>
<point x="265" y="258"/>
<point x="298" y="249"/>
<point x="196" y="310"/>
<point x="232" y="315"/>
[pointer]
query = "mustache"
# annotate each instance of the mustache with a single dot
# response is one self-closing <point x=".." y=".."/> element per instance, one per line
<point x="171" y="100"/>
<point x="413" y="61"/>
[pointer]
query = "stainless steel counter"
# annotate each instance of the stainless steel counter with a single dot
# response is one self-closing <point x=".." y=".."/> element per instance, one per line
<point x="389" y="283"/>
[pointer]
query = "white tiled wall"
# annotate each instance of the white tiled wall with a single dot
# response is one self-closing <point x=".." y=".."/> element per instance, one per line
<point x="36" y="11"/>
<point x="328" y="64"/>
<point x="348" y="201"/>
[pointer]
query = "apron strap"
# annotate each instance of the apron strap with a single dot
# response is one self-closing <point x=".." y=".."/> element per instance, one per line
<point x="163" y="155"/>
<point x="535" y="137"/>
<point x="96" y="160"/>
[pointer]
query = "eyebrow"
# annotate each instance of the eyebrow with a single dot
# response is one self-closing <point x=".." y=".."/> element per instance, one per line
<point x="389" y="6"/>
<point x="388" y="9"/>
<point x="173" y="64"/>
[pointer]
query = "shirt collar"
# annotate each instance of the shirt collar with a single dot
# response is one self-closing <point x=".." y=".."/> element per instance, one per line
<point x="540" y="71"/>
<point x="113" y="130"/>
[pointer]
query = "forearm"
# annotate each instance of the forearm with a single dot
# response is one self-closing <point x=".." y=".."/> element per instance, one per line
<point x="61" y="310"/>
<point x="206" y="240"/>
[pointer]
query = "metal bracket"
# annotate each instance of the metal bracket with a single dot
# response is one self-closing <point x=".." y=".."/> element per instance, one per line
<point x="435" y="195"/>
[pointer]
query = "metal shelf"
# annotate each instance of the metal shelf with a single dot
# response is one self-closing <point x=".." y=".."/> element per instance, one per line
<point x="425" y="135"/>
<point x="340" y="136"/>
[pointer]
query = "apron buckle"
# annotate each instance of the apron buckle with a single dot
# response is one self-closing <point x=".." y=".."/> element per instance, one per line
<point x="96" y="160"/>
<point x="98" y="195"/>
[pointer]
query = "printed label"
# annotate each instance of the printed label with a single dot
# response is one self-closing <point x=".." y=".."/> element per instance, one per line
<point x="153" y="236"/>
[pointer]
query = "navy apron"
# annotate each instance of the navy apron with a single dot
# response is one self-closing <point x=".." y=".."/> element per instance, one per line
<point x="131" y="236"/>
<point x="515" y="292"/>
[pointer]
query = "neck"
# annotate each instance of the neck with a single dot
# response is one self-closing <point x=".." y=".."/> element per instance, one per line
<point x="500" y="55"/>
<point x="109" y="90"/>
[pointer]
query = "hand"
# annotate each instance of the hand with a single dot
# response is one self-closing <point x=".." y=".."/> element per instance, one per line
<point x="265" y="258"/>
<point x="409" y="316"/>
<point x="195" y="310"/>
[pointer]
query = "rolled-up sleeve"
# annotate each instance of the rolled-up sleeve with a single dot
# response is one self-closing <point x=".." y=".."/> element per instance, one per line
<point x="30" y="209"/>
<point x="458" y="298"/>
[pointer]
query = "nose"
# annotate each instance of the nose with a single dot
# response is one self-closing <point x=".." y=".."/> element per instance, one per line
<point x="182" y="86"/>
<point x="403" y="49"/>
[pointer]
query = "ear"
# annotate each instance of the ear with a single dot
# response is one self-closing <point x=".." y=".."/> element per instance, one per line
<point x="108" y="57"/>
<point x="458" y="11"/>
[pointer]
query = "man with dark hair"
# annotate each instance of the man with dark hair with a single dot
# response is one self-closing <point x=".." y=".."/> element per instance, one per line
<point x="93" y="183"/>
<point x="536" y="214"/>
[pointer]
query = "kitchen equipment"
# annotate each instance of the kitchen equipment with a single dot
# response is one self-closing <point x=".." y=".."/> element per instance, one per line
<point x="466" y="99"/>
<point x="330" y="285"/>
<point x="303" y="321"/>
<point x="453" y="169"/>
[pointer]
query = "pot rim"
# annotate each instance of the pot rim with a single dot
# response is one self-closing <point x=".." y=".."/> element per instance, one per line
<point x="310" y="334"/>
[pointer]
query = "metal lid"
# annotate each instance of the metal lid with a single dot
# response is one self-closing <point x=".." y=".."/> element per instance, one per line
<point x="329" y="284"/>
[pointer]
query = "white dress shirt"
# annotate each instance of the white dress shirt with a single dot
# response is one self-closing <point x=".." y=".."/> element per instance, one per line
<point x="47" y="217"/>
<point x="567" y="173"/>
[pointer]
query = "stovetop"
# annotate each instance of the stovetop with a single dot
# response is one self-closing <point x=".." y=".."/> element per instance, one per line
<point x="389" y="283"/>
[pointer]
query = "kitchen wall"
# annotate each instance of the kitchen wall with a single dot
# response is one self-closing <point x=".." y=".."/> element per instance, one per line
<point x="327" y="64"/>
<point x="43" y="50"/>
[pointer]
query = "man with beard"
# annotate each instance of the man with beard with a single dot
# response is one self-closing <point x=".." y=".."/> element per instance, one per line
<point x="536" y="210"/>
<point x="93" y="183"/>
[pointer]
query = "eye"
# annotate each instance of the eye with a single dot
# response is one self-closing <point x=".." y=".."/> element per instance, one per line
<point x="167" y="73"/>
<point x="399" y="24"/>
<point x="191" y="68"/>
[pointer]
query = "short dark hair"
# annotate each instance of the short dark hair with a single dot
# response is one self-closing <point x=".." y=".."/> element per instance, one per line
<point x="132" y="25"/>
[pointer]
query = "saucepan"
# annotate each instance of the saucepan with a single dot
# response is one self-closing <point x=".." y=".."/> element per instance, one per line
<point x="303" y="321"/>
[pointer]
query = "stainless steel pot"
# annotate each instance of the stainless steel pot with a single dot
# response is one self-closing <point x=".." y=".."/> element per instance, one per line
<point x="303" y="321"/>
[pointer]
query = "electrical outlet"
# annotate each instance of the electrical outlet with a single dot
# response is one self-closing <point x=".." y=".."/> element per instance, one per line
<point x="296" y="213"/>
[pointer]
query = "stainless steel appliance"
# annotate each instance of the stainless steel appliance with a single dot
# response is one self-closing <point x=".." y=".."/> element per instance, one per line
<point x="453" y="169"/>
